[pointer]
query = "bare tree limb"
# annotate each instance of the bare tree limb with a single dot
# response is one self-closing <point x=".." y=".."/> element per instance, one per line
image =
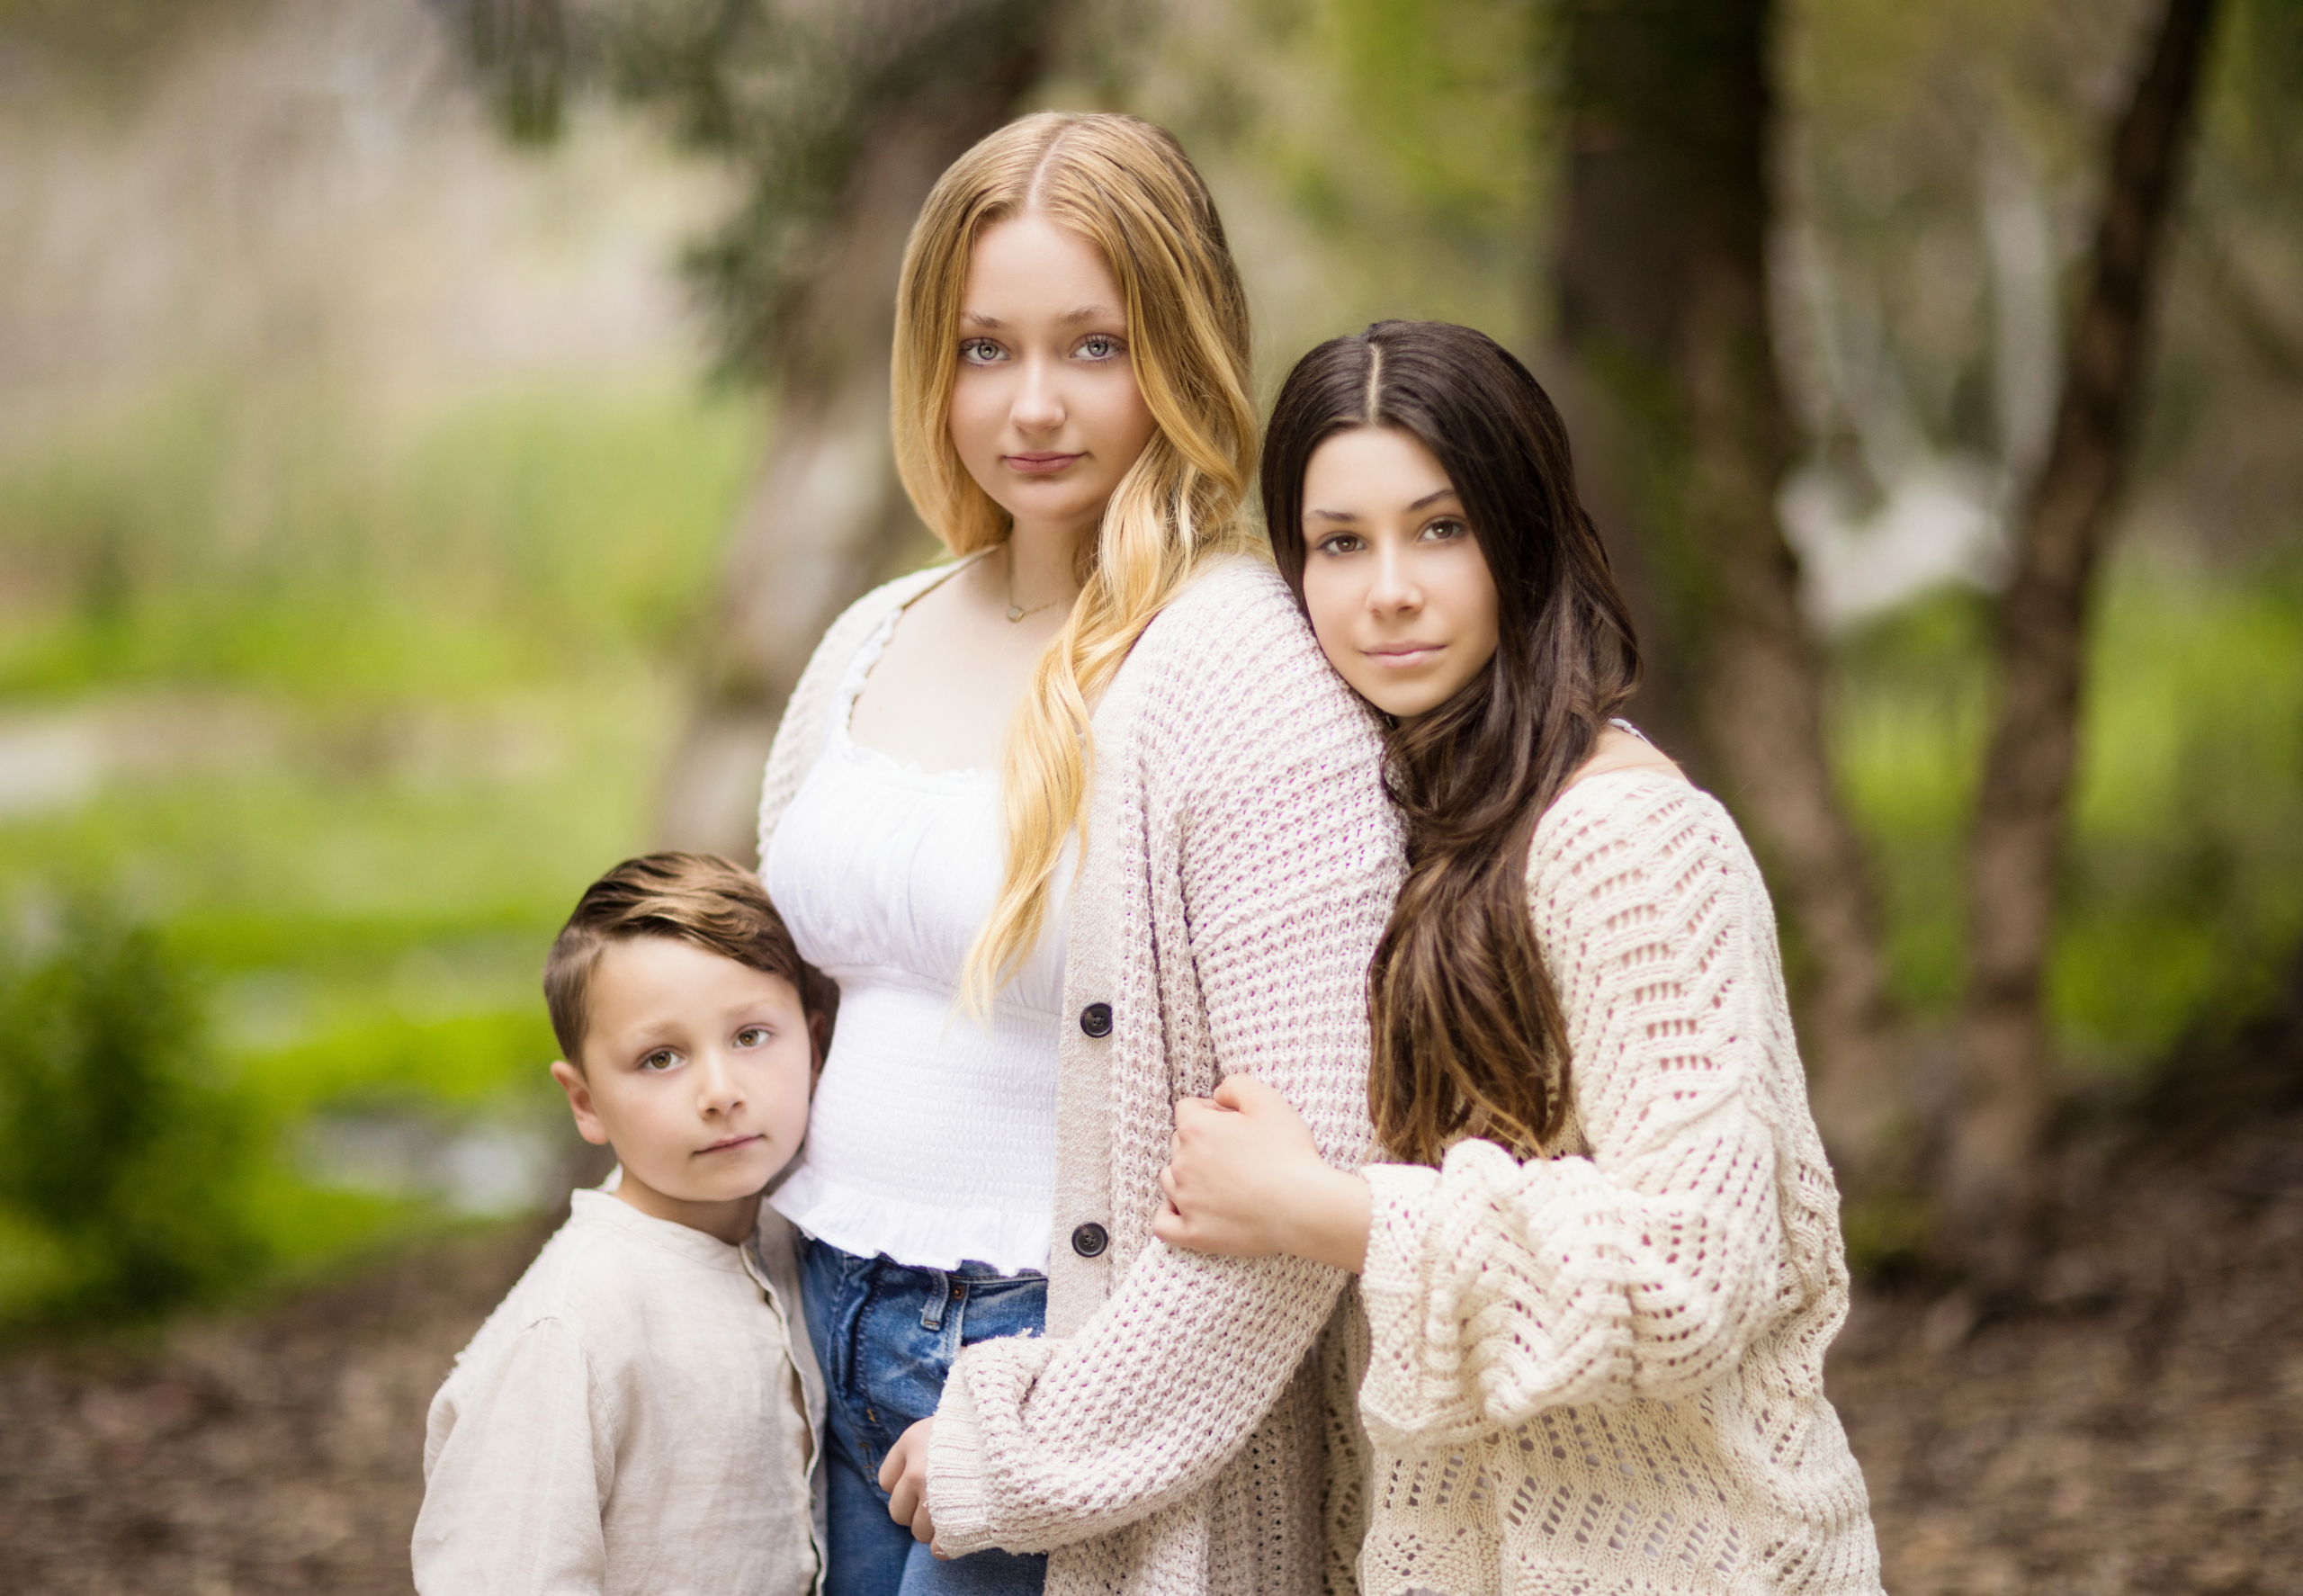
<point x="841" y="113"/>
<point x="1664" y="297"/>
<point x="828" y="515"/>
<point x="1990" y="1192"/>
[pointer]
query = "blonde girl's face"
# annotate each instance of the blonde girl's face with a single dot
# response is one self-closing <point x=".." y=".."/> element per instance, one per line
<point x="1046" y="413"/>
<point x="1399" y="595"/>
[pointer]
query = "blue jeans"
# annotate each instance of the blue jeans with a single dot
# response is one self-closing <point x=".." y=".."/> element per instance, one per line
<point x="885" y="1335"/>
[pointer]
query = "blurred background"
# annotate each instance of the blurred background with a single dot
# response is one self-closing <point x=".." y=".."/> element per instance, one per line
<point x="433" y="433"/>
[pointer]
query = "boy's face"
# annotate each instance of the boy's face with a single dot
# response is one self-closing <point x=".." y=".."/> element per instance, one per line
<point x="697" y="1071"/>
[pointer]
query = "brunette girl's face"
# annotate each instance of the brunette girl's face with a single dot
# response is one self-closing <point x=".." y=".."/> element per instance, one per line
<point x="1046" y="413"/>
<point x="1399" y="593"/>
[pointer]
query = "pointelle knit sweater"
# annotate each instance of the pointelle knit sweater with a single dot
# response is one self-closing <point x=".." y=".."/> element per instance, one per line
<point x="1170" y="1434"/>
<point x="1602" y="1371"/>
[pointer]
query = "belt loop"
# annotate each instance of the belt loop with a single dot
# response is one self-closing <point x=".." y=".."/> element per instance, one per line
<point x="931" y="1317"/>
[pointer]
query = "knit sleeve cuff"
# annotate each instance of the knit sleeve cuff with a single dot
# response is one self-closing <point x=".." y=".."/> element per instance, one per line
<point x="957" y="1499"/>
<point x="1398" y="1208"/>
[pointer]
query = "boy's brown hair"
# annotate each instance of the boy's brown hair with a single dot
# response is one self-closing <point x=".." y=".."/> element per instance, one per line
<point x="697" y="897"/>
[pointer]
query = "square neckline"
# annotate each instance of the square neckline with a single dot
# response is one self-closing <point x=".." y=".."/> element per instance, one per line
<point x="858" y="675"/>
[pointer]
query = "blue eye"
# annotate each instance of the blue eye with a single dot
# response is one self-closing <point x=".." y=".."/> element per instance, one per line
<point x="1099" y="346"/>
<point x="980" y="351"/>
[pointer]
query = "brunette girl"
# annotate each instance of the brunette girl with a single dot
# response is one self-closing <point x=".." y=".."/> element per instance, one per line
<point x="1079" y="822"/>
<point x="1602" y="1276"/>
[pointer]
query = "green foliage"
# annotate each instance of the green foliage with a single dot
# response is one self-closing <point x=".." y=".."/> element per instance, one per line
<point x="376" y="704"/>
<point x="2181" y="904"/>
<point x="1445" y="94"/>
<point x="1885" y="1231"/>
<point x="792" y="93"/>
<point x="223" y="537"/>
<point x="116" y="1147"/>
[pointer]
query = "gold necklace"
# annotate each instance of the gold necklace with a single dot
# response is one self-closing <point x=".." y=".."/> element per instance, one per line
<point x="1017" y="612"/>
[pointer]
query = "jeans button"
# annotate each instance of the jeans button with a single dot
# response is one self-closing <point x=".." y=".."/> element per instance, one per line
<point x="1095" y="1019"/>
<point x="1089" y="1241"/>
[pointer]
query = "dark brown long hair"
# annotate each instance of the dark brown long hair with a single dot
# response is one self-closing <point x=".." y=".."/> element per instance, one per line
<point x="1468" y="1033"/>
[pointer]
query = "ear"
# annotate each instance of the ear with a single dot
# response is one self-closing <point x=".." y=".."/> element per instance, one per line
<point x="818" y="1041"/>
<point x="579" y="1101"/>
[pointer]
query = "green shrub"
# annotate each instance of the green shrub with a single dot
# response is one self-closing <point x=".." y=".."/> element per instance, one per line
<point x="120" y="1161"/>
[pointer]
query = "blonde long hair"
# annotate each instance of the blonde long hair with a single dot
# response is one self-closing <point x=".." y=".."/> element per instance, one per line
<point x="1127" y="186"/>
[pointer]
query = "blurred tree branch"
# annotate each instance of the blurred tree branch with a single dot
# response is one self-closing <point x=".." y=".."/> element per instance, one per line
<point x="2235" y="294"/>
<point x="803" y="95"/>
<point x="841" y="113"/>
<point x="1663" y="298"/>
<point x="1991" y="1194"/>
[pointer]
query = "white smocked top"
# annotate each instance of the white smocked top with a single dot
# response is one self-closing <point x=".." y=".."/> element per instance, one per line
<point x="932" y="1137"/>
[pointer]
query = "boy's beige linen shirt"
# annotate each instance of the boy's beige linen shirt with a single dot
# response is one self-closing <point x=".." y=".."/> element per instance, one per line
<point x="1170" y="1433"/>
<point x="639" y="1417"/>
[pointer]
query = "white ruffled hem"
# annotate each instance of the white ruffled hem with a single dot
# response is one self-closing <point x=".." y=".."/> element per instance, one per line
<point x="921" y="1236"/>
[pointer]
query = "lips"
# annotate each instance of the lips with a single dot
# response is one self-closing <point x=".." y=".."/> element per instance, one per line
<point x="1038" y="465"/>
<point x="731" y="1143"/>
<point x="1404" y="654"/>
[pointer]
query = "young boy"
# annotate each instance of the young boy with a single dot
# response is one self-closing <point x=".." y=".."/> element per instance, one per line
<point x="641" y="1413"/>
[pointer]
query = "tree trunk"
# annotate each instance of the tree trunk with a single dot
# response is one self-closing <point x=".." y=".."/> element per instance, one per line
<point x="1664" y="301"/>
<point x="1990" y="1192"/>
<point x="828" y="515"/>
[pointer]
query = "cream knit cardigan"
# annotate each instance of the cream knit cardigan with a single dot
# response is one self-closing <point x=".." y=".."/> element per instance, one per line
<point x="1603" y="1372"/>
<point x="1170" y="1435"/>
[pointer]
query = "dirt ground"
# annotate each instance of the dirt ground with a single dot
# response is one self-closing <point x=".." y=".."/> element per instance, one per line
<point x="2141" y="1430"/>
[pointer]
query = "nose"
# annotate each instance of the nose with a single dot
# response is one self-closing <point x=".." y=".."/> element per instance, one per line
<point x="1393" y="590"/>
<point x="1039" y="396"/>
<point x="717" y="1091"/>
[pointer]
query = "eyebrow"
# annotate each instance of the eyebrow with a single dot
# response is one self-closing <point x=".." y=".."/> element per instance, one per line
<point x="1069" y="318"/>
<point x="1427" y="500"/>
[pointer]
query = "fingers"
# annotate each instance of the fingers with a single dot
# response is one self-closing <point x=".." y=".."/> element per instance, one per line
<point x="1188" y="1110"/>
<point x="903" y="1475"/>
<point x="1168" y="1226"/>
<point x="908" y="1498"/>
<point x="903" y="1499"/>
<point x="1244" y="1094"/>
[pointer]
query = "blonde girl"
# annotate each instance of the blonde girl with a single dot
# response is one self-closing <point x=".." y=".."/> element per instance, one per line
<point x="1080" y="823"/>
<point x="1602" y="1274"/>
